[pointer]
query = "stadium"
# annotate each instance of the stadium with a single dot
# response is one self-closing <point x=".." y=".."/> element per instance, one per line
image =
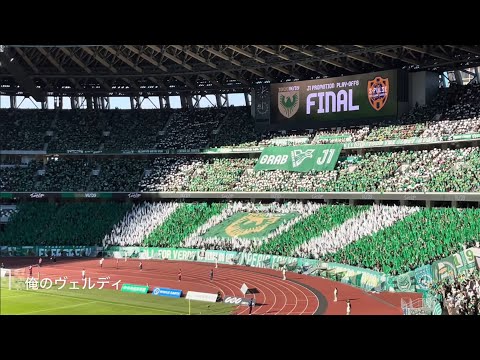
<point x="240" y="179"/>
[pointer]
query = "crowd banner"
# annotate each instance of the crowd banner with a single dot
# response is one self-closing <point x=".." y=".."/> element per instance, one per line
<point x="276" y="142"/>
<point x="298" y="140"/>
<point x="201" y="296"/>
<point x="136" y="289"/>
<point x="175" y="293"/>
<point x="452" y="266"/>
<point x="19" y="251"/>
<point x="299" y="158"/>
<point x="248" y="225"/>
<point x="73" y="251"/>
<point x="423" y="277"/>
<point x="402" y="283"/>
<point x="364" y="278"/>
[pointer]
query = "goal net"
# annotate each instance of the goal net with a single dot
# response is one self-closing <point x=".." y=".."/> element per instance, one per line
<point x="13" y="279"/>
<point x="120" y="255"/>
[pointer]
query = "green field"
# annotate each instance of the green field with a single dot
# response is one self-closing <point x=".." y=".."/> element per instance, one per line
<point x="100" y="302"/>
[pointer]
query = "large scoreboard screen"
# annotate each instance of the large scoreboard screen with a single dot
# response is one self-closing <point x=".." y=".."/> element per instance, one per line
<point x="313" y="103"/>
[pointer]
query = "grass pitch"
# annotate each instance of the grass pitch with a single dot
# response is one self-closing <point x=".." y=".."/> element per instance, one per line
<point x="99" y="302"/>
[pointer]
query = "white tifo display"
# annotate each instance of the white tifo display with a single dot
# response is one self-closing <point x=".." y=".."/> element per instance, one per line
<point x="201" y="296"/>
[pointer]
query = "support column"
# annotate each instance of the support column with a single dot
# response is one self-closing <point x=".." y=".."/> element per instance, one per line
<point x="189" y="101"/>
<point x="219" y="100"/>
<point x="477" y="74"/>
<point x="458" y="77"/>
<point x="454" y="204"/>
<point x="89" y="102"/>
<point x="227" y="104"/>
<point x="196" y="104"/>
<point x="13" y="102"/>
<point x="247" y="101"/>
<point x="428" y="204"/>
<point x="167" y="101"/>
<point x="160" y="102"/>
<point x="445" y="80"/>
<point x="184" y="101"/>
<point x="60" y="102"/>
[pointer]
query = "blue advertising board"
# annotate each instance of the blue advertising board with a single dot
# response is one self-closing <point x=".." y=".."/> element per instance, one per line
<point x="167" y="292"/>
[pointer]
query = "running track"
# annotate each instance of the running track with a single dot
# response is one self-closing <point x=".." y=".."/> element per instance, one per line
<point x="298" y="295"/>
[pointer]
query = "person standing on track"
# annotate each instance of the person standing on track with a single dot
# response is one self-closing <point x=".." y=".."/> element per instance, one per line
<point x="30" y="270"/>
<point x="335" y="293"/>
<point x="40" y="262"/>
<point x="83" y="274"/>
<point x="216" y="262"/>
<point x="117" y="264"/>
<point x="284" y="272"/>
<point x="179" y="274"/>
<point x="101" y="262"/>
<point x="211" y="275"/>
<point x="140" y="266"/>
<point x="250" y="306"/>
<point x="349" y="307"/>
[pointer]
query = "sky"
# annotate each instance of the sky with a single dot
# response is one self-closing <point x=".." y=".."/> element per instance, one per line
<point x="122" y="102"/>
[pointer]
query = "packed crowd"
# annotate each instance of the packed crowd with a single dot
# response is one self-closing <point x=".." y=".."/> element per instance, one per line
<point x="199" y="240"/>
<point x="460" y="296"/>
<point x="352" y="228"/>
<point x="449" y="170"/>
<point x="426" y="235"/>
<point x="181" y="223"/>
<point x="447" y="129"/>
<point x="138" y="223"/>
<point x="340" y="135"/>
<point x="18" y="178"/>
<point x="120" y="174"/>
<point x="133" y="130"/>
<point x="76" y="130"/>
<point x="62" y="224"/>
<point x="6" y="213"/>
<point x="390" y="239"/>
<point x="457" y="107"/>
<point x="237" y="129"/>
<point x="24" y="129"/>
<point x="191" y="129"/>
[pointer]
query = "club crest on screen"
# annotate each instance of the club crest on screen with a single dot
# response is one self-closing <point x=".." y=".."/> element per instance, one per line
<point x="288" y="103"/>
<point x="378" y="89"/>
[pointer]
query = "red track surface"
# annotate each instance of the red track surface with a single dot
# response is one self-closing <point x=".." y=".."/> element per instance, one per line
<point x="298" y="295"/>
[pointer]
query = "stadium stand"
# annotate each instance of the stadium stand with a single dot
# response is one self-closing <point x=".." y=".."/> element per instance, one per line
<point x="76" y="130"/>
<point x="62" y="224"/>
<point x="133" y="130"/>
<point x="449" y="170"/>
<point x="460" y="296"/>
<point x="24" y="129"/>
<point x="115" y="130"/>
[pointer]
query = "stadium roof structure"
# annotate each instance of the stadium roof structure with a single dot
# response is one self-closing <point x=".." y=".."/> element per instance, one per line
<point x="147" y="70"/>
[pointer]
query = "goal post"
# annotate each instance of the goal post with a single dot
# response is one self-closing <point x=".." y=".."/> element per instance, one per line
<point x="6" y="279"/>
<point x="13" y="278"/>
<point x="122" y="254"/>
